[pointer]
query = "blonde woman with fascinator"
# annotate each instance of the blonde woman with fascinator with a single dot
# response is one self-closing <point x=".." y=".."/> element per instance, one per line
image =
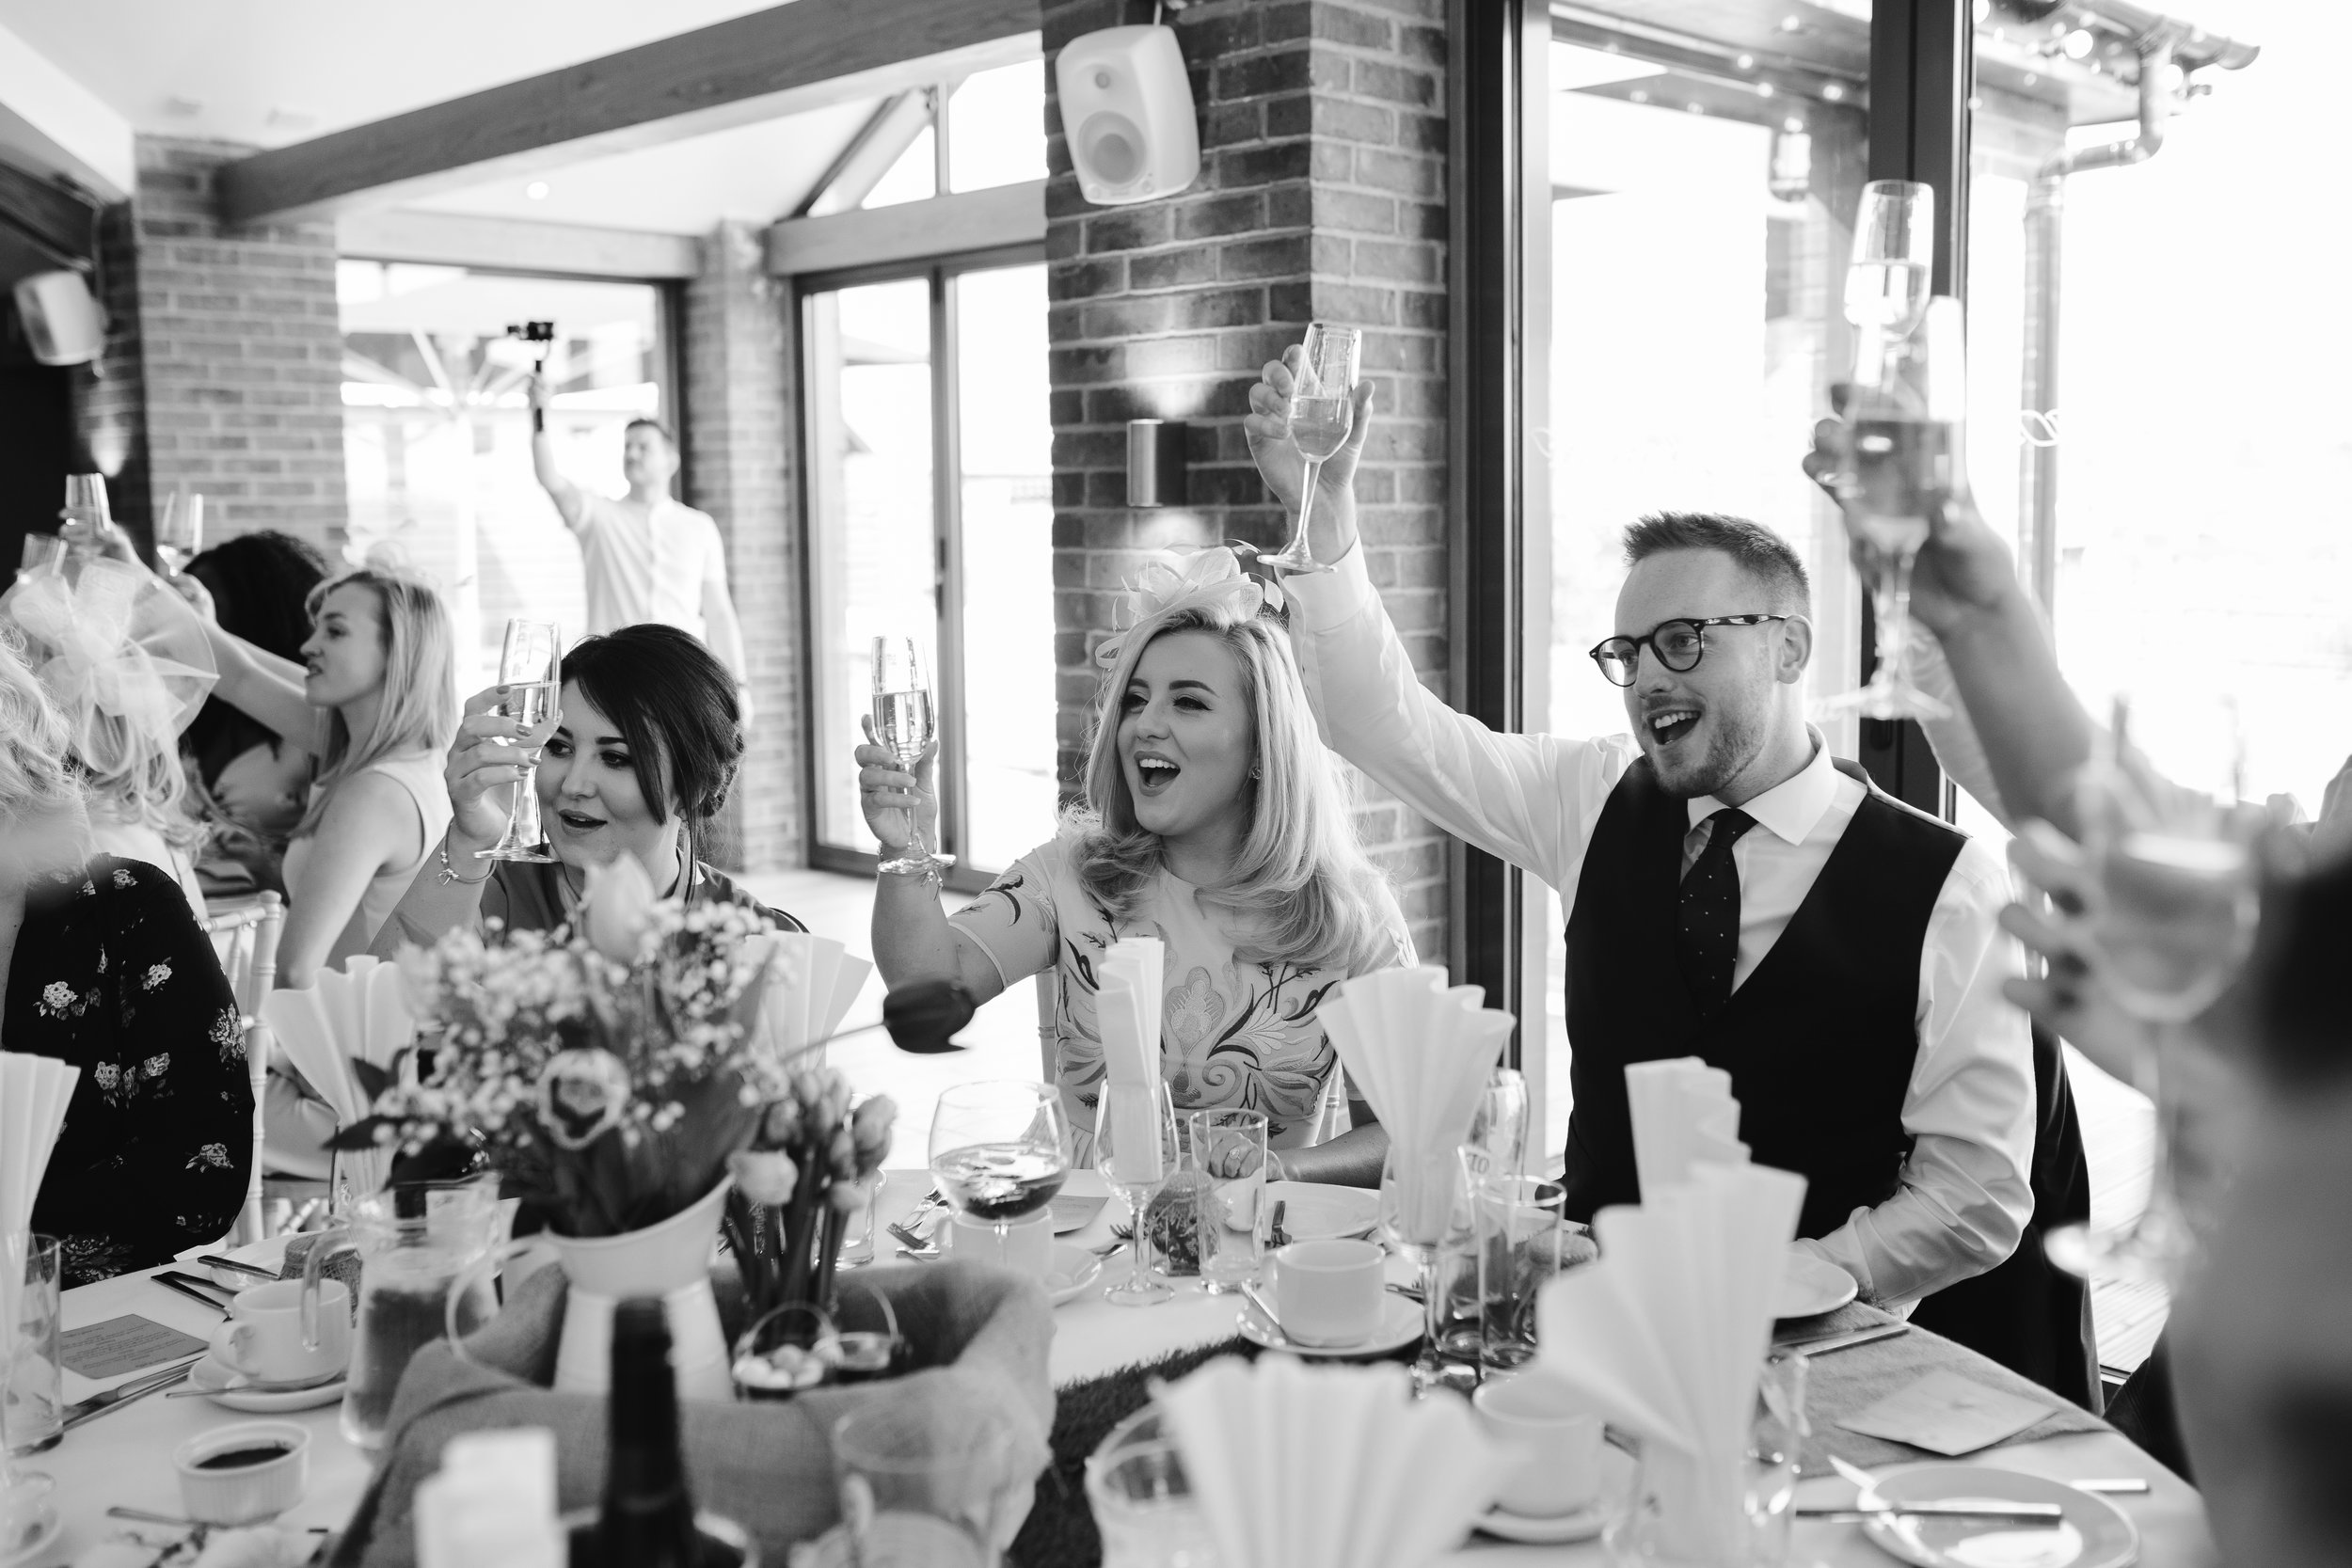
<point x="103" y="966"/>
<point x="1215" y="822"/>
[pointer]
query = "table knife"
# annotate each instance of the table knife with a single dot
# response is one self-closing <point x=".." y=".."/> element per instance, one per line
<point x="2011" y="1513"/>
<point x="1822" y="1344"/>
<point x="105" y="1400"/>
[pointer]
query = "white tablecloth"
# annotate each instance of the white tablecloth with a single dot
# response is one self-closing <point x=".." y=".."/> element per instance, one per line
<point x="125" y="1457"/>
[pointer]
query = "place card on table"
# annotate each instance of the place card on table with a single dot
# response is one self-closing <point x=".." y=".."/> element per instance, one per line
<point x="1947" y="1413"/>
<point x="121" y="1345"/>
<point x="1075" y="1211"/>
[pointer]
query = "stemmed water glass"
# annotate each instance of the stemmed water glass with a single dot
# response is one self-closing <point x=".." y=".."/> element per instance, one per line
<point x="1322" y="412"/>
<point x="1135" y="1149"/>
<point x="999" y="1149"/>
<point x="530" y="666"/>
<point x="904" y="722"/>
<point x="1906" y="409"/>
<point x="2168" y="836"/>
<point x="180" y="533"/>
<point x="1422" y="1201"/>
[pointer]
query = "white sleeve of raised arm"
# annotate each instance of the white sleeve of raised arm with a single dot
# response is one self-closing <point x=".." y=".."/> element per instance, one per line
<point x="1965" y="1192"/>
<point x="1532" y="799"/>
<point x="1958" y="749"/>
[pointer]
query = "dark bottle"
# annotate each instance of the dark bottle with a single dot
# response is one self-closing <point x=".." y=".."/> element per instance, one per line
<point x="648" y="1515"/>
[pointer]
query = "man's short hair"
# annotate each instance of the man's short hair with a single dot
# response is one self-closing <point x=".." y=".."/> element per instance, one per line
<point x="1761" y="553"/>
<point x="643" y="423"/>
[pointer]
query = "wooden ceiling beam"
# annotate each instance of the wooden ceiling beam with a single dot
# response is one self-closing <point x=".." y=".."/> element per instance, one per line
<point x="515" y="245"/>
<point x="783" y="60"/>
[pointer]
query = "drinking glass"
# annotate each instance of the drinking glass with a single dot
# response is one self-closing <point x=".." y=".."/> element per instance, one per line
<point x="529" y="667"/>
<point x="32" y="1402"/>
<point x="86" y="503"/>
<point x="180" y="533"/>
<point x="1227" y="1150"/>
<point x="1142" y="1500"/>
<point x="1522" y="1244"/>
<point x="1322" y="412"/>
<point x="1498" y="1126"/>
<point x="999" y="1149"/>
<point x="43" y="552"/>
<point x="1134" y="1148"/>
<point x="1422" y="1205"/>
<point x="918" y="1484"/>
<point x="2169" y="834"/>
<point x="904" y="724"/>
<point x="1674" y="1518"/>
<point x="1893" y="258"/>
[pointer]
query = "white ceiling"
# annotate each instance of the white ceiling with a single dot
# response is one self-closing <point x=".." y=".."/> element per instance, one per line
<point x="267" y="73"/>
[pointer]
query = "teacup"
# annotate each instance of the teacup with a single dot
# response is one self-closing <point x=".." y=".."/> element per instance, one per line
<point x="1557" y="1438"/>
<point x="1027" y="1246"/>
<point x="1328" y="1293"/>
<point x="263" y="1337"/>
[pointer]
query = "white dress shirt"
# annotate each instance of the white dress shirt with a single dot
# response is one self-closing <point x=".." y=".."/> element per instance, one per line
<point x="1534" y="799"/>
<point x="648" y="563"/>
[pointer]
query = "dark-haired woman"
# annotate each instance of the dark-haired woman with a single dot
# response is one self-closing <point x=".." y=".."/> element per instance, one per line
<point x="646" y="742"/>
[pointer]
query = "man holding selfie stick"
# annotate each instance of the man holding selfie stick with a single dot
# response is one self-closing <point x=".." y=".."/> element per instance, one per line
<point x="647" y="555"/>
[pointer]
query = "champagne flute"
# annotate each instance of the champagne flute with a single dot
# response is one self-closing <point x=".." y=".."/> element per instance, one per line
<point x="1893" y="256"/>
<point x="85" y="504"/>
<point x="1135" y="1148"/>
<point x="1322" y="412"/>
<point x="1906" y="409"/>
<point x="529" y="667"/>
<point x="904" y="724"/>
<point x="179" y="534"/>
<point x="1498" y="1126"/>
<point x="999" y="1149"/>
<point x="1422" y="1200"/>
<point x="2169" y="836"/>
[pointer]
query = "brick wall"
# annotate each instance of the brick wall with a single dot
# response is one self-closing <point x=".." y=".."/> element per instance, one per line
<point x="739" y="446"/>
<point x="222" y="371"/>
<point x="1321" y="196"/>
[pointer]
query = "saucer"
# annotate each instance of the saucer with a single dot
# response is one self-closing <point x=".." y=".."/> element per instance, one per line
<point x="1582" y="1523"/>
<point x="1400" y="1325"/>
<point x="2094" y="1533"/>
<point x="1320" y="1212"/>
<point x="1811" y="1285"/>
<point x="44" y="1536"/>
<point x="1075" y="1269"/>
<point x="218" y="1382"/>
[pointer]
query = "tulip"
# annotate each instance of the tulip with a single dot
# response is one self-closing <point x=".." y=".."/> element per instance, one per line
<point x="870" y="1126"/>
<point x="764" y="1174"/>
<point x="617" y="908"/>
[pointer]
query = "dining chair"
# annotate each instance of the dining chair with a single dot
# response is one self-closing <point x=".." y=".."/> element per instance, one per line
<point x="245" y="940"/>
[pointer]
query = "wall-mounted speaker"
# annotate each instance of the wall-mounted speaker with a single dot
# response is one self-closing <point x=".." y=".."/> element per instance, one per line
<point x="1126" y="110"/>
<point x="63" y="324"/>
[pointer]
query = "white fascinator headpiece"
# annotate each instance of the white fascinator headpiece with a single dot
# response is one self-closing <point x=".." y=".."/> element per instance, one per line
<point x="109" y="638"/>
<point x="1171" y="582"/>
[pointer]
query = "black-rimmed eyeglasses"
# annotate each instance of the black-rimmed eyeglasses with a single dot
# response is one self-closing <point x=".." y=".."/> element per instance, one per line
<point x="1679" y="644"/>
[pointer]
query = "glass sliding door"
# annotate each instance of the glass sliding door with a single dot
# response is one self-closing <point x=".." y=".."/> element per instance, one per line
<point x="929" y="467"/>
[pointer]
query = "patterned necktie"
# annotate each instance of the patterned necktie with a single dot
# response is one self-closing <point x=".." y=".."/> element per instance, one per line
<point x="1708" y="935"/>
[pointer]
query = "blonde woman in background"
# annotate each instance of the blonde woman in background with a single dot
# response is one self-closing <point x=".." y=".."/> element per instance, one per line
<point x="1215" y="822"/>
<point x="372" y="700"/>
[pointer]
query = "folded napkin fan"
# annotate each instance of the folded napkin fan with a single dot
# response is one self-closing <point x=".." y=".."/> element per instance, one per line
<point x="1666" y="1332"/>
<point x="1421" y="1054"/>
<point x="811" y="983"/>
<point x="34" y="1093"/>
<point x="1683" y="1114"/>
<point x="359" y="1011"/>
<point x="1127" y="1012"/>
<point x="1299" y="1467"/>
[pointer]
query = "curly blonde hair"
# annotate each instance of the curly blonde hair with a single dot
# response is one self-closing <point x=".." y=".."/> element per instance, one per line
<point x="40" y="792"/>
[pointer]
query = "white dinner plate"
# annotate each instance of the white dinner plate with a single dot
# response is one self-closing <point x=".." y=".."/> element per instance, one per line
<point x="2094" y="1533"/>
<point x="1812" y="1286"/>
<point x="1400" y="1325"/>
<point x="218" y="1382"/>
<point x="1617" y="1470"/>
<point x="1075" y="1269"/>
<point x="1316" y="1211"/>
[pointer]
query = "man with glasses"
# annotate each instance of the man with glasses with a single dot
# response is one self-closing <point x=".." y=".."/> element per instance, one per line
<point x="1735" y="892"/>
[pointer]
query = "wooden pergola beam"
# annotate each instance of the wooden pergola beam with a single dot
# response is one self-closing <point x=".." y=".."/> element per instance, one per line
<point x="515" y="245"/>
<point x="783" y="60"/>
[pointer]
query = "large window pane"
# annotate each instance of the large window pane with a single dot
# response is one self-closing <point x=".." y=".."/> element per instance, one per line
<point x="997" y="127"/>
<point x="436" y="435"/>
<point x="1005" y="440"/>
<point x="1702" y="209"/>
<point x="871" y="563"/>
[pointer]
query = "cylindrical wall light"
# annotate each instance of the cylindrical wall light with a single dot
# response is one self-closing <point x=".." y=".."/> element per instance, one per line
<point x="1155" y="462"/>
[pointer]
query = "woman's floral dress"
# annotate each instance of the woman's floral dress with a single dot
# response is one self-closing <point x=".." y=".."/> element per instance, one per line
<point x="111" y="973"/>
<point x="1233" y="1034"/>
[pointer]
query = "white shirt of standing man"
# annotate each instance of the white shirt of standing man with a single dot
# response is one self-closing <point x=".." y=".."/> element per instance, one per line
<point x="1964" y="1194"/>
<point x="646" y="556"/>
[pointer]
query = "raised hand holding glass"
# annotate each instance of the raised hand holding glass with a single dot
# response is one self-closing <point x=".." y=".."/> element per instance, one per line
<point x="904" y="724"/>
<point x="530" y="672"/>
<point x="1321" y="415"/>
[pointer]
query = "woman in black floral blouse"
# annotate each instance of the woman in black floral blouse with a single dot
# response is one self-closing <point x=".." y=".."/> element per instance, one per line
<point x="103" y="966"/>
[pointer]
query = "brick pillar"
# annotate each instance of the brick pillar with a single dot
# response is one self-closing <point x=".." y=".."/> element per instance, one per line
<point x="223" y="366"/>
<point x="738" y="438"/>
<point x="1321" y="196"/>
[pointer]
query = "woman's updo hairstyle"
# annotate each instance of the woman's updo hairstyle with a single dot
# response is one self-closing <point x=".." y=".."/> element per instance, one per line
<point x="675" y="704"/>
